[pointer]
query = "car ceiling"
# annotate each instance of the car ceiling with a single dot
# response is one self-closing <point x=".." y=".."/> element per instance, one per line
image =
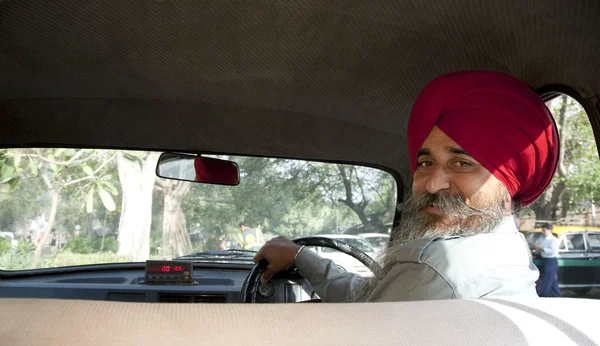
<point x="327" y="80"/>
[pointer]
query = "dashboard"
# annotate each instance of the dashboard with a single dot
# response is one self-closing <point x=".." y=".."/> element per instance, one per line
<point x="213" y="283"/>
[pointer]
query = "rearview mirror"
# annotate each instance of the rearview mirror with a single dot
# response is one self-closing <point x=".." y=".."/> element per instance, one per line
<point x="197" y="169"/>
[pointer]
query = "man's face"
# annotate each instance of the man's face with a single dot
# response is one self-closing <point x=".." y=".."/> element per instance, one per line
<point x="546" y="232"/>
<point x="447" y="170"/>
<point x="453" y="195"/>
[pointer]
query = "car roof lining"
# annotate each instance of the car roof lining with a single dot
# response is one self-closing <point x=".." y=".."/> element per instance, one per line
<point x="290" y="78"/>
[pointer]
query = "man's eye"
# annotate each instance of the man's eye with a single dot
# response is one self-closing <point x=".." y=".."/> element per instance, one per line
<point x="463" y="164"/>
<point x="425" y="164"/>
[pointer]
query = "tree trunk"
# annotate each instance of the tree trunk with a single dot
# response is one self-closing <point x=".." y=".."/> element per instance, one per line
<point x="137" y="183"/>
<point x="360" y="212"/>
<point x="547" y="208"/>
<point x="359" y="208"/>
<point x="175" y="236"/>
<point x="564" y="204"/>
<point x="47" y="230"/>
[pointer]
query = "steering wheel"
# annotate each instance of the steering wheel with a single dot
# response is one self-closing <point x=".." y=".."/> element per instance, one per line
<point x="250" y="287"/>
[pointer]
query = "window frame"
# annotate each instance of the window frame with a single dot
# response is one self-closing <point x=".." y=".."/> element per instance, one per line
<point x="564" y="237"/>
<point x="588" y="240"/>
<point x="562" y="243"/>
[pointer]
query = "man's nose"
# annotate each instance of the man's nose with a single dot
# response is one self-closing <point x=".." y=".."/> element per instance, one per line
<point x="437" y="181"/>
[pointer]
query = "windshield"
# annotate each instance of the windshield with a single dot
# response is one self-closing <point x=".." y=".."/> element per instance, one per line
<point x="63" y="207"/>
<point x="377" y="242"/>
<point x="357" y="243"/>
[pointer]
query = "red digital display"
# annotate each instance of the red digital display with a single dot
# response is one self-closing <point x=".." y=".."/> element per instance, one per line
<point x="164" y="269"/>
<point x="167" y="271"/>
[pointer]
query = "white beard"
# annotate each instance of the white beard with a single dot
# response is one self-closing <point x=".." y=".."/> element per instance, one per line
<point x="458" y="219"/>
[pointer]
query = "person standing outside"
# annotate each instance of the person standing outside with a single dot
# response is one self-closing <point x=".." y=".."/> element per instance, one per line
<point x="547" y="246"/>
<point x="250" y="238"/>
<point x="240" y="236"/>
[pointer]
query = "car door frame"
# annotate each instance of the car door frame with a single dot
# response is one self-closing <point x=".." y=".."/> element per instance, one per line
<point x="593" y="261"/>
<point x="576" y="268"/>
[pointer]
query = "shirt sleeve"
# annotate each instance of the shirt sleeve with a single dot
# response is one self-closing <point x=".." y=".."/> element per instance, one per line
<point x="550" y="248"/>
<point x="409" y="281"/>
<point x="329" y="282"/>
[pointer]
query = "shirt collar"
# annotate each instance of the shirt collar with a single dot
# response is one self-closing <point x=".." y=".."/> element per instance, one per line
<point x="507" y="225"/>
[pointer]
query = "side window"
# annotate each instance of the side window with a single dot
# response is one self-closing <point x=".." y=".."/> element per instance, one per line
<point x="561" y="246"/>
<point x="572" y="197"/>
<point x="594" y="241"/>
<point x="575" y="242"/>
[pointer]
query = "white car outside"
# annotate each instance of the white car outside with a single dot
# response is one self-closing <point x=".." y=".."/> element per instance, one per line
<point x="344" y="261"/>
<point x="378" y="241"/>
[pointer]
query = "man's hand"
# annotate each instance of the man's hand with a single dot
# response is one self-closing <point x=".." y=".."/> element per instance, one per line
<point x="536" y="247"/>
<point x="280" y="253"/>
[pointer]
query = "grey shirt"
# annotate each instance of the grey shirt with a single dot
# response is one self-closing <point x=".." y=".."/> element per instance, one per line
<point x="495" y="264"/>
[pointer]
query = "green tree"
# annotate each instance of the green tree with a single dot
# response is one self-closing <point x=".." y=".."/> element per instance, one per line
<point x="288" y="197"/>
<point x="16" y="209"/>
<point x="58" y="169"/>
<point x="370" y="194"/>
<point x="579" y="167"/>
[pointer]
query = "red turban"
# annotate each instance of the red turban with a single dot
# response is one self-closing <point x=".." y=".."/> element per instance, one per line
<point x="498" y="120"/>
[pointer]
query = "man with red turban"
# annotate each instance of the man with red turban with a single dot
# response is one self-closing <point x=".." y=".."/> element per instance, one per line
<point x="481" y="145"/>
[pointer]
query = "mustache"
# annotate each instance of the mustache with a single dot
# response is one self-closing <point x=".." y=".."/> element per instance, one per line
<point x="452" y="205"/>
<point x="464" y="220"/>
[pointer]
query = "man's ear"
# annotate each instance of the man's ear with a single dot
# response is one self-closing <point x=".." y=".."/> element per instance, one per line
<point x="515" y="205"/>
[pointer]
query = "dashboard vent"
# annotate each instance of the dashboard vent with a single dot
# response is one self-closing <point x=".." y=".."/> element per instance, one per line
<point x="191" y="298"/>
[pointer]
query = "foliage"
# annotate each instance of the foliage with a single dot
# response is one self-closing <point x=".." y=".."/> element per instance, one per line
<point x="575" y="183"/>
<point x="18" y="258"/>
<point x="67" y="258"/>
<point x="284" y="197"/>
<point x="92" y="244"/>
<point x="5" y="245"/>
<point x="155" y="242"/>
<point x="58" y="169"/>
<point x="16" y="209"/>
<point x="581" y="157"/>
